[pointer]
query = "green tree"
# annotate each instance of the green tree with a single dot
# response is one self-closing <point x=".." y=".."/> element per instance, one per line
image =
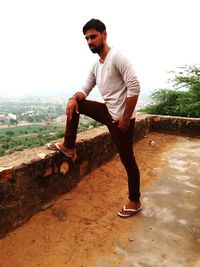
<point x="2" y="152"/>
<point x="13" y="121"/>
<point x="188" y="77"/>
<point x="10" y="133"/>
<point x="176" y="102"/>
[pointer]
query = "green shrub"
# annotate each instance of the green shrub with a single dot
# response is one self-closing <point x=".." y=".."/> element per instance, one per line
<point x="2" y="152"/>
<point x="10" y="133"/>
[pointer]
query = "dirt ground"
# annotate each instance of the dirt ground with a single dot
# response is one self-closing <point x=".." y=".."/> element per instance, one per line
<point x="83" y="224"/>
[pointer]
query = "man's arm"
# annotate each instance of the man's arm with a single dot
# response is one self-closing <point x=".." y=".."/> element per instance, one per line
<point x="125" y="68"/>
<point x="124" y="122"/>
<point x="130" y="106"/>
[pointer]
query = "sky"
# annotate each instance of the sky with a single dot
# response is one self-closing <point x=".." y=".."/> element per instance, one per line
<point x="43" y="50"/>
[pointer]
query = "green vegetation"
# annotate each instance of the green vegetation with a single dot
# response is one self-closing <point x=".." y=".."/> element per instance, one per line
<point x="176" y="102"/>
<point x="88" y="123"/>
<point x="22" y="137"/>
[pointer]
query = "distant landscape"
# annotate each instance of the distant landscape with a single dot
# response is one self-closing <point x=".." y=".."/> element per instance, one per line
<point x="27" y="122"/>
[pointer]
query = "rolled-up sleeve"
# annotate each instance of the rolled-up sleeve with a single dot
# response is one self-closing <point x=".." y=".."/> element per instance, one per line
<point x="127" y="71"/>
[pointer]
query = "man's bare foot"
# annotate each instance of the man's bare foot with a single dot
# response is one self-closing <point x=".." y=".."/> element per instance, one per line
<point x="131" y="208"/>
<point x="133" y="205"/>
<point x="52" y="146"/>
<point x="66" y="151"/>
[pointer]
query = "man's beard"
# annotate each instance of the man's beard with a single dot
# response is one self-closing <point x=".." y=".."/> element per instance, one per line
<point x="97" y="49"/>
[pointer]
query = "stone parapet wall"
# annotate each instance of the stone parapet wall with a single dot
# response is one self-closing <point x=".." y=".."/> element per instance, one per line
<point x="30" y="180"/>
<point x="176" y="125"/>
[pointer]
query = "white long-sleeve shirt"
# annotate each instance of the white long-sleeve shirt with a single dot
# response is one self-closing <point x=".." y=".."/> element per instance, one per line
<point x="116" y="80"/>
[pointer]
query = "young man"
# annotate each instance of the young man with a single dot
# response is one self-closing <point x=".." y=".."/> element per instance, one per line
<point x="119" y="87"/>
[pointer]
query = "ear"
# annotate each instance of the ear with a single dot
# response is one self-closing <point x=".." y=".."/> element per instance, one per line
<point x="104" y="33"/>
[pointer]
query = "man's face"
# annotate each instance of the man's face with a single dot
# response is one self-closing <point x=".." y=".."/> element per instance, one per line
<point x="95" y="40"/>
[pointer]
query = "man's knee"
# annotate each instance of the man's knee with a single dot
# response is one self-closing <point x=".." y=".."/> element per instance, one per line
<point x="82" y="106"/>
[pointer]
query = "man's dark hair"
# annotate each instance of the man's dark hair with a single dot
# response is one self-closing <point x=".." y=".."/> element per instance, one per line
<point x="94" y="24"/>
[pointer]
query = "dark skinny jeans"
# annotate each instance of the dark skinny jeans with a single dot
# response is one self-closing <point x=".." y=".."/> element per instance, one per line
<point x="123" y="141"/>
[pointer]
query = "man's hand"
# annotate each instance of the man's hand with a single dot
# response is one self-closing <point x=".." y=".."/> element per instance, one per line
<point x="122" y="124"/>
<point x="72" y="106"/>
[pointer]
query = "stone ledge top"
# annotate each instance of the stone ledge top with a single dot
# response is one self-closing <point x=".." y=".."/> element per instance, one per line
<point x="37" y="153"/>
